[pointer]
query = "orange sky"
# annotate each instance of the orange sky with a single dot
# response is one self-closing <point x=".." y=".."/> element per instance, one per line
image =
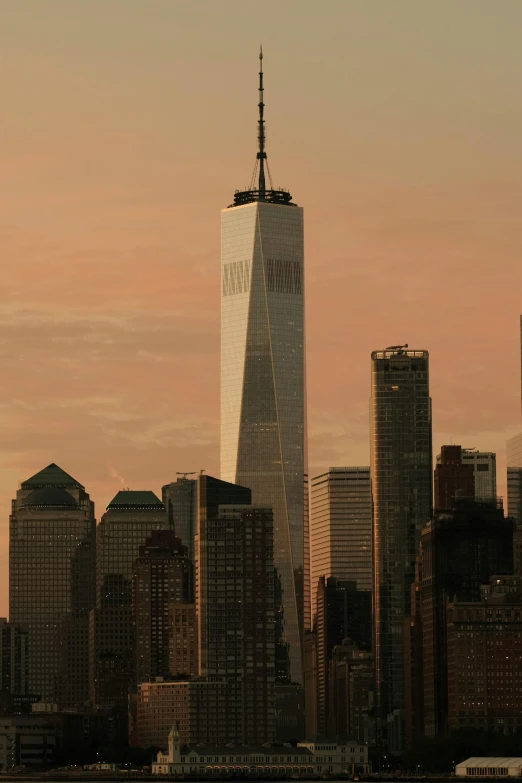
<point x="125" y="128"/>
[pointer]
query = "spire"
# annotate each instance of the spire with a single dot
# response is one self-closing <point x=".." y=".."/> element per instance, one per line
<point x="261" y="155"/>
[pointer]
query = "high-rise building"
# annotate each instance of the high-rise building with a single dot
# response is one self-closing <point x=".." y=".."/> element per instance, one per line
<point x="341" y="527"/>
<point x="235" y="603"/>
<point x="263" y="378"/>
<point x="514" y="477"/>
<point x="181" y="502"/>
<point x="484" y="472"/>
<point x="460" y="551"/>
<point x="351" y="681"/>
<point x="452" y="478"/>
<point x="343" y="612"/>
<point x="51" y="582"/>
<point x="129" y="520"/>
<point x="484" y="640"/>
<point x="401" y="469"/>
<point x="164" y="609"/>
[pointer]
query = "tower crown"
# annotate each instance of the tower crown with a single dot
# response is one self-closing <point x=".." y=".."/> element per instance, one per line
<point x="261" y="193"/>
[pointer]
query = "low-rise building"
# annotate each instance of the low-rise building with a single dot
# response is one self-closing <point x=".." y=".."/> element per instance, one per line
<point x="25" y="741"/>
<point x="308" y="758"/>
<point x="483" y="766"/>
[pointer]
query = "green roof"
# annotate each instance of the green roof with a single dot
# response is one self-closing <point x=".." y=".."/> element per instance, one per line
<point x="129" y="498"/>
<point x="51" y="476"/>
<point x="55" y="497"/>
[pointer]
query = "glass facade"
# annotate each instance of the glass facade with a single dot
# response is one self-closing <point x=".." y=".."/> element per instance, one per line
<point x="341" y="527"/>
<point x="181" y="502"/>
<point x="514" y="477"/>
<point x="51" y="582"/>
<point x="263" y="390"/>
<point x="401" y="467"/>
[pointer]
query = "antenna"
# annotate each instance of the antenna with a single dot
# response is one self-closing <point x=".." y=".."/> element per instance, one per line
<point x="261" y="155"/>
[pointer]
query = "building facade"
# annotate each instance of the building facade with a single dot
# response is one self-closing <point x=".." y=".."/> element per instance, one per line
<point x="26" y="741"/>
<point x="484" y="472"/>
<point x="236" y="602"/>
<point x="401" y="468"/>
<point x="461" y="550"/>
<point x="180" y="499"/>
<point x="485" y="660"/>
<point x="341" y="527"/>
<point x="129" y="520"/>
<point x="164" y="609"/>
<point x="452" y="477"/>
<point x="51" y="582"/>
<point x="514" y="477"/>
<point x="263" y="428"/>
<point x="351" y="682"/>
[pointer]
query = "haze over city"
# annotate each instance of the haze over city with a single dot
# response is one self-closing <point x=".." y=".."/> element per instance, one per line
<point x="126" y="128"/>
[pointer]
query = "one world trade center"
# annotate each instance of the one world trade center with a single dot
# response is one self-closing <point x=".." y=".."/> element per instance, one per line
<point x="263" y="419"/>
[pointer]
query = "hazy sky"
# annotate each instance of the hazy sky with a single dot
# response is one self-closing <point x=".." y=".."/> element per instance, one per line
<point x="126" y="126"/>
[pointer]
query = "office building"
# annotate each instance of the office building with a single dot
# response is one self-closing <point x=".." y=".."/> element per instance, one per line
<point x="461" y="550"/>
<point x="164" y="609"/>
<point x="201" y="709"/>
<point x="263" y="379"/>
<point x="14" y="662"/>
<point x="453" y="478"/>
<point x="401" y="469"/>
<point x="180" y="499"/>
<point x="484" y="640"/>
<point x="130" y="518"/>
<point x="341" y="527"/>
<point x="351" y="681"/>
<point x="514" y="477"/>
<point x="51" y="582"/>
<point x="26" y="740"/>
<point x="484" y="472"/>
<point x="235" y="602"/>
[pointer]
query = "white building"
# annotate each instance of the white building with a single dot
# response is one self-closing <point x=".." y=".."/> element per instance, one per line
<point x="482" y="766"/>
<point x="308" y="758"/>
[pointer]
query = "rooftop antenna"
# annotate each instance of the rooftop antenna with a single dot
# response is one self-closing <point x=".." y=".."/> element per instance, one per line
<point x="261" y="155"/>
<point x="186" y="473"/>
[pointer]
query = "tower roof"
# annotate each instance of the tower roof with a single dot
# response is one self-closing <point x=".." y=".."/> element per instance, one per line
<point x="131" y="499"/>
<point x="51" y="476"/>
<point x="261" y="193"/>
<point x="52" y="497"/>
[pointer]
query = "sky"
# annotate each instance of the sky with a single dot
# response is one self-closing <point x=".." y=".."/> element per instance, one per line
<point x="125" y="128"/>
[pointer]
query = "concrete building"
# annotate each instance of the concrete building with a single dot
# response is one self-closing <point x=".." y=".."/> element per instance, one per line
<point x="51" y="582"/>
<point x="14" y="662"/>
<point x="129" y="520"/>
<point x="401" y="469"/>
<point x="201" y="709"/>
<point x="341" y="527"/>
<point x="26" y="740"/>
<point x="351" y="704"/>
<point x="484" y="465"/>
<point x="263" y="428"/>
<point x="236" y="602"/>
<point x="164" y="609"/>
<point x="279" y="761"/>
<point x="484" y="654"/>
<point x="486" y="766"/>
<point x="453" y="478"/>
<point x="181" y="502"/>
<point x="514" y="477"/>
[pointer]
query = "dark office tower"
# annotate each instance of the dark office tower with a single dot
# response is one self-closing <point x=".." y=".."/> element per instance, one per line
<point x="401" y="466"/>
<point x="452" y="478"/>
<point x="351" y="680"/>
<point x="342" y="612"/>
<point x="460" y="551"/>
<point x="14" y="691"/>
<point x="413" y="674"/>
<point x="484" y="465"/>
<point x="51" y="587"/>
<point x="129" y="520"/>
<point x="341" y="527"/>
<point x="163" y="578"/>
<point x="263" y="376"/>
<point x="181" y="502"/>
<point x="235" y="606"/>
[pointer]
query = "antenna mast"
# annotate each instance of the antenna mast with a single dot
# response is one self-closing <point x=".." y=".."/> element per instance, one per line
<point x="261" y="155"/>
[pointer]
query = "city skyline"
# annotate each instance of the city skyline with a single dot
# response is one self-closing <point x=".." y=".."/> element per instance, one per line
<point x="109" y="381"/>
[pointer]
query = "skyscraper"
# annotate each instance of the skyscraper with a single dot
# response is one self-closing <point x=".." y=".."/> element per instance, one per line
<point x="235" y="606"/>
<point x="263" y="375"/>
<point x="163" y="609"/>
<point x="401" y="467"/>
<point x="128" y="521"/>
<point x="484" y="472"/>
<point x="341" y="527"/>
<point x="453" y="478"/>
<point x="181" y="502"/>
<point x="51" y="582"/>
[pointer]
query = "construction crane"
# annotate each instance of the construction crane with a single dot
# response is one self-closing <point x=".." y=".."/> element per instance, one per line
<point x="188" y="473"/>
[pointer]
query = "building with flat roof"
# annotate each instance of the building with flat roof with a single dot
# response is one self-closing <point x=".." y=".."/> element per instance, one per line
<point x="486" y="766"/>
<point x="26" y="740"/>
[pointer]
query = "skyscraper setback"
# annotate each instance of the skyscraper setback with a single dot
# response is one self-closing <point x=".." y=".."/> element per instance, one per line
<point x="401" y="465"/>
<point x="263" y="376"/>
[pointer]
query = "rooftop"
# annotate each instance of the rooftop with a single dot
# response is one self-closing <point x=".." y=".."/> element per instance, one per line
<point x="134" y="499"/>
<point x="51" y="497"/>
<point x="51" y="476"/>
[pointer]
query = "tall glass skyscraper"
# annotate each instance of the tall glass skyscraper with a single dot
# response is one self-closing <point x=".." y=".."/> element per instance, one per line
<point x="401" y="466"/>
<point x="263" y="379"/>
